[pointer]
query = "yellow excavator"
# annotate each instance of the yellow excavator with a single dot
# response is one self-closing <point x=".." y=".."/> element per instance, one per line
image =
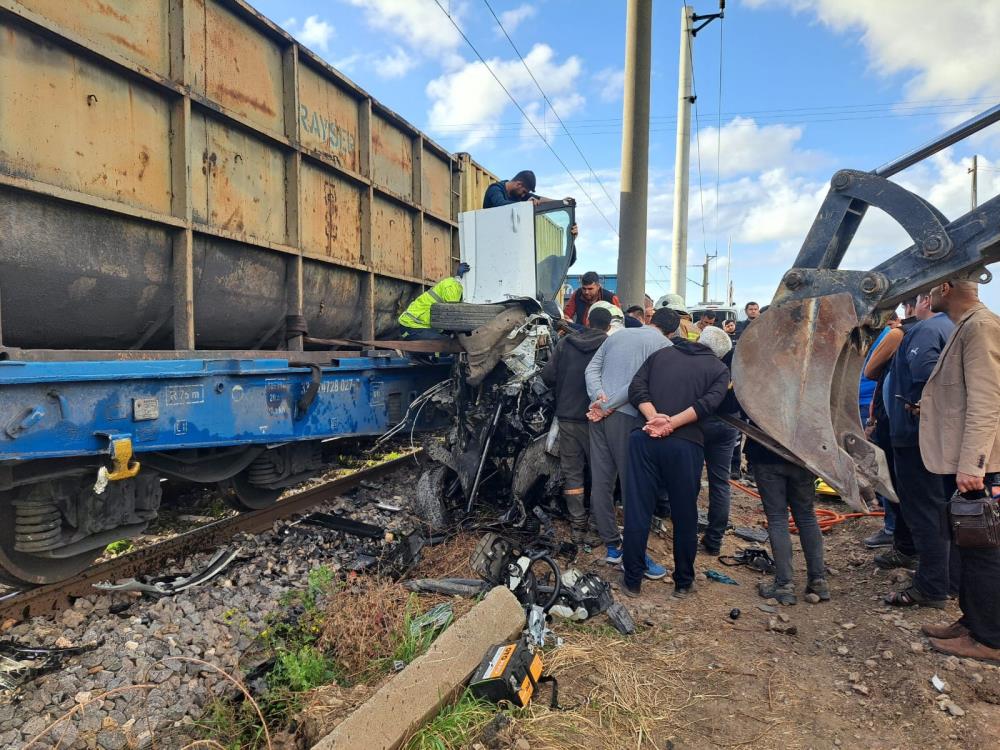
<point x="797" y="367"/>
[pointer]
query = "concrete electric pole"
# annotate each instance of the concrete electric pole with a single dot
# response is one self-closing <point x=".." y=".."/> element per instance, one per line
<point x="635" y="154"/>
<point x="974" y="171"/>
<point x="682" y="157"/>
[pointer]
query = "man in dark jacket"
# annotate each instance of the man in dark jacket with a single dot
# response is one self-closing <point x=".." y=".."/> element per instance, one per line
<point x="515" y="190"/>
<point x="590" y="291"/>
<point x="924" y="496"/>
<point x="565" y="371"/>
<point x="674" y="389"/>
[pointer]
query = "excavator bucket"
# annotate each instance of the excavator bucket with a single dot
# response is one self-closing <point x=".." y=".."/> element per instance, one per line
<point x="796" y="372"/>
<point x="796" y="368"/>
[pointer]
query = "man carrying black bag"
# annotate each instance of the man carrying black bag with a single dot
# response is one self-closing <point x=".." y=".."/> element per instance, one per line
<point x="960" y="437"/>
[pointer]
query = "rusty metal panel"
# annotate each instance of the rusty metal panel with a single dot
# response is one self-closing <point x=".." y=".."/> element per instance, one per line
<point x="392" y="157"/>
<point x="436" y="184"/>
<point x="328" y="119"/>
<point x="332" y="300"/>
<point x="135" y="30"/>
<point x="392" y="237"/>
<point x="237" y="181"/>
<point x="70" y="123"/>
<point x="235" y="65"/>
<point x="330" y="210"/>
<point x="473" y="182"/>
<point x="391" y="298"/>
<point x="437" y="250"/>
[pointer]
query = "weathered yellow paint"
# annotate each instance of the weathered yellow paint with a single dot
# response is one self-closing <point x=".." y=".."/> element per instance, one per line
<point x="437" y="250"/>
<point x="71" y="123"/>
<point x="330" y="209"/>
<point x="392" y="241"/>
<point x="436" y="181"/>
<point x="392" y="157"/>
<point x="134" y="30"/>
<point x="328" y="119"/>
<point x="473" y="183"/>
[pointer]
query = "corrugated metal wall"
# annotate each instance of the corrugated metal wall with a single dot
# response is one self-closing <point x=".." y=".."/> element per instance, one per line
<point x="225" y="175"/>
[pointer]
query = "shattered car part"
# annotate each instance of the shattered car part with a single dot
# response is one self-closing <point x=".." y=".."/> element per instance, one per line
<point x="170" y="585"/>
<point x="757" y="558"/>
<point x="436" y="618"/>
<point x="499" y="562"/>
<point x="447" y="586"/>
<point x="536" y="631"/>
<point x="621" y="619"/>
<point x="19" y="665"/>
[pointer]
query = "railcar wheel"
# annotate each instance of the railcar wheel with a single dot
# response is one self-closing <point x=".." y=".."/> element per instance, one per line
<point x="242" y="495"/>
<point x="20" y="568"/>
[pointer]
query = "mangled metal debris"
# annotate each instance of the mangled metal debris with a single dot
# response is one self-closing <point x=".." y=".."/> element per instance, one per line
<point x="170" y="585"/>
<point x="19" y="664"/>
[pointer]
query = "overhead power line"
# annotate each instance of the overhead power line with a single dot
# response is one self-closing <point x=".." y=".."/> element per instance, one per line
<point x="527" y="119"/>
<point x="551" y="106"/>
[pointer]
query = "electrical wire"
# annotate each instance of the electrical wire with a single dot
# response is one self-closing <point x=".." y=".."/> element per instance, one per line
<point x="551" y="106"/>
<point x="527" y="119"/>
<point x="697" y="138"/>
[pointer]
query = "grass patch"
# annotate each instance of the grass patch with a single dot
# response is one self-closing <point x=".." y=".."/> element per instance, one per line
<point x="457" y="725"/>
<point x="119" y="548"/>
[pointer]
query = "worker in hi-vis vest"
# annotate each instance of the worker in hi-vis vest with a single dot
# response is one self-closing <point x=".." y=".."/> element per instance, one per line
<point x="415" y="323"/>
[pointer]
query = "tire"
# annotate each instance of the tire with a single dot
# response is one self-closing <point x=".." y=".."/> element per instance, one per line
<point x="428" y="501"/>
<point x="462" y="317"/>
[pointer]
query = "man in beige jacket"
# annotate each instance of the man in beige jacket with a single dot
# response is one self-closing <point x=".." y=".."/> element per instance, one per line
<point x="960" y="436"/>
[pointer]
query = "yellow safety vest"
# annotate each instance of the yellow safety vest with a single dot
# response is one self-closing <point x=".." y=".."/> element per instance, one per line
<point x="418" y="314"/>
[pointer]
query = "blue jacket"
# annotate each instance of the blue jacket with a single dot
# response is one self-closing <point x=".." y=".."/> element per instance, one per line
<point x="866" y="390"/>
<point x="911" y="367"/>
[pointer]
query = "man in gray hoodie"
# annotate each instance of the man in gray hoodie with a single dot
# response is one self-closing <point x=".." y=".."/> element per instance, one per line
<point x="613" y="418"/>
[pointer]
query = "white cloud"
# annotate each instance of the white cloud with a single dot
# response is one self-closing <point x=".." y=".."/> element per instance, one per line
<point x="395" y="65"/>
<point x="748" y="147"/>
<point x="514" y="17"/>
<point x="421" y="24"/>
<point x="314" y="33"/>
<point x="948" y="49"/>
<point x="469" y="94"/>
<point x="611" y="82"/>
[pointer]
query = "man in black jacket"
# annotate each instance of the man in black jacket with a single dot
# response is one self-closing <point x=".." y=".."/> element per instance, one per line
<point x="674" y="389"/>
<point x="565" y="371"/>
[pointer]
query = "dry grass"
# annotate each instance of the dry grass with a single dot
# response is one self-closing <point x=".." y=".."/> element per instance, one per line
<point x="447" y="560"/>
<point x="636" y="693"/>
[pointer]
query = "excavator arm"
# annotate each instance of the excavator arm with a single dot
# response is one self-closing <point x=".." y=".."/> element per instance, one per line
<point x="797" y="367"/>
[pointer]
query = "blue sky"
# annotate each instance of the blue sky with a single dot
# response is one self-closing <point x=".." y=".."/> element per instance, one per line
<point x="808" y="87"/>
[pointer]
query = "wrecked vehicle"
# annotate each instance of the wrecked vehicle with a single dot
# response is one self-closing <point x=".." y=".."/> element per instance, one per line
<point x="497" y="446"/>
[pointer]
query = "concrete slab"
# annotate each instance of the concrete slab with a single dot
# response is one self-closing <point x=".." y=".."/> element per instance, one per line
<point x="416" y="694"/>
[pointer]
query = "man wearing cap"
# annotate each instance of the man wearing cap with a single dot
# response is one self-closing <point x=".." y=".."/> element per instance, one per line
<point x="687" y="329"/>
<point x="415" y="322"/>
<point x="520" y="188"/>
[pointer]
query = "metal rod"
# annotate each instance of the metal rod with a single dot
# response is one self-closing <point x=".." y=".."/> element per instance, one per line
<point x="482" y="459"/>
<point x="953" y="136"/>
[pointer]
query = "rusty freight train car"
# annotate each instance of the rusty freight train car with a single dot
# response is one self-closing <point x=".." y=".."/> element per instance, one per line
<point x="187" y="196"/>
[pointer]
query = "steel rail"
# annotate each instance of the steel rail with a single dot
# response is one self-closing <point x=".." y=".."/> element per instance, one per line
<point x="54" y="597"/>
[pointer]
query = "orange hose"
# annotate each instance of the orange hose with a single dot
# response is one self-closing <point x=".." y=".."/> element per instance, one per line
<point x="827" y="518"/>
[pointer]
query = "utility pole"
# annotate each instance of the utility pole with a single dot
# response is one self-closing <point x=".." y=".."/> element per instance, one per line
<point x="635" y="153"/>
<point x="704" y="277"/>
<point x="682" y="155"/>
<point x="974" y="171"/>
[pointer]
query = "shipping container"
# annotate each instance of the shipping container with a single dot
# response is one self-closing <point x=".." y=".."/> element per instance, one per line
<point x="181" y="174"/>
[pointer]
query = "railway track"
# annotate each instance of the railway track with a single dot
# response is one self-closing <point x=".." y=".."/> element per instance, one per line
<point x="54" y="597"/>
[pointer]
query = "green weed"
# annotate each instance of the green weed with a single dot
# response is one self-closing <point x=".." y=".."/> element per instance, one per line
<point x="119" y="548"/>
<point x="456" y="725"/>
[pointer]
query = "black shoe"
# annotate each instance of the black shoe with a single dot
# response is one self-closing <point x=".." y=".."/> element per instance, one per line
<point x="629" y="591"/>
<point x="708" y="549"/>
<point x="683" y="592"/>
<point x="735" y="476"/>
<point x="893" y="558"/>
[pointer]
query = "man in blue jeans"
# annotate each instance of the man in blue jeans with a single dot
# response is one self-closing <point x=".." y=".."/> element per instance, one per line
<point x="673" y="390"/>
<point x="720" y="444"/>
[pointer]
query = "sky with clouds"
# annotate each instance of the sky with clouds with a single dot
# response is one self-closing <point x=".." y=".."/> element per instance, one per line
<point x="807" y="87"/>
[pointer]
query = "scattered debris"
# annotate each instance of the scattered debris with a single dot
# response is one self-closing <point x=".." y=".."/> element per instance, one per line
<point x="756" y="558"/>
<point x="170" y="585"/>
<point x="812" y="598"/>
<point x="714" y="575"/>
<point x="19" y="664"/>
<point x="940" y="685"/>
<point x="734" y="613"/>
<point x="447" y="586"/>
<point x="751" y="535"/>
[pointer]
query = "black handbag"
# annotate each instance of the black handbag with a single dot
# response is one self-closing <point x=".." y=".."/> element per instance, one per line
<point x="975" y="521"/>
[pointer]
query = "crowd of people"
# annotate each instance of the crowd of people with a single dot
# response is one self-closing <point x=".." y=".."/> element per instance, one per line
<point x="648" y="407"/>
<point x="645" y="403"/>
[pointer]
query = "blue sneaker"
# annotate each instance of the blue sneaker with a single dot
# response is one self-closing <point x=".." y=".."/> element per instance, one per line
<point x="653" y="571"/>
<point x="614" y="556"/>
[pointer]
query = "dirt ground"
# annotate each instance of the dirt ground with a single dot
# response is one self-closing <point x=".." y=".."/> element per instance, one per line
<point x="855" y="674"/>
